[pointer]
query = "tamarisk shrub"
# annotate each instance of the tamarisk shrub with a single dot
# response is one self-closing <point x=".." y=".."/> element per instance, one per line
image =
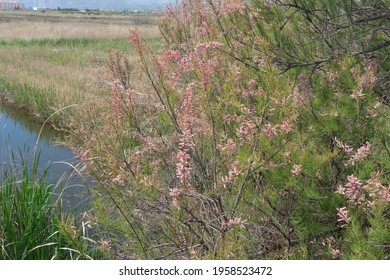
<point x="237" y="152"/>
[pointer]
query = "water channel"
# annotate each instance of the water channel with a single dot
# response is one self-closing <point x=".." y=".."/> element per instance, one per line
<point x="18" y="136"/>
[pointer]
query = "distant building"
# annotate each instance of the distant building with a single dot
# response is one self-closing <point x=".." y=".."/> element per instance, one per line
<point x="11" y="5"/>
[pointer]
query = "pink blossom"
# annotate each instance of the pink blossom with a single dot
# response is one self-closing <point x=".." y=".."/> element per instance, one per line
<point x="116" y="102"/>
<point x="357" y="94"/>
<point x="229" y="148"/>
<point x="202" y="47"/>
<point x="363" y="151"/>
<point x="246" y="129"/>
<point x="377" y="190"/>
<point x="335" y="253"/>
<point x="233" y="173"/>
<point x="360" y="154"/>
<point x="186" y="120"/>
<point x="146" y="141"/>
<point x="134" y="38"/>
<point x="175" y="192"/>
<point x="347" y="149"/>
<point x="341" y="190"/>
<point x="286" y="126"/>
<point x="359" y="194"/>
<point x="183" y="167"/>
<point x="172" y="55"/>
<point x="353" y="190"/>
<point x="298" y="97"/>
<point x="206" y="69"/>
<point x="342" y="213"/>
<point x="234" y="6"/>
<point x="297" y="169"/>
<point x="269" y="131"/>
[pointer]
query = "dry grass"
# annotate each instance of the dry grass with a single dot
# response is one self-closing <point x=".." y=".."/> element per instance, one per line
<point x="36" y="66"/>
<point x="55" y="25"/>
<point x="43" y="30"/>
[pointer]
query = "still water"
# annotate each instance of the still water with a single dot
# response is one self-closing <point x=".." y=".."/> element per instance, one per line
<point x="18" y="136"/>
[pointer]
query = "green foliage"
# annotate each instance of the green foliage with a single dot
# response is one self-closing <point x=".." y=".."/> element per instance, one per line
<point x="32" y="224"/>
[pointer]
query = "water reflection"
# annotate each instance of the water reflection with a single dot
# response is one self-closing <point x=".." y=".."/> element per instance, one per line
<point x="18" y="136"/>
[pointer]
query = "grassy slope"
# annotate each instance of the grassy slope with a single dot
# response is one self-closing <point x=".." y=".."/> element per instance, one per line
<point x="50" y="62"/>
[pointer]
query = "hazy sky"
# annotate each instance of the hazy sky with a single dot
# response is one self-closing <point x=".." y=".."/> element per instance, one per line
<point x="103" y="4"/>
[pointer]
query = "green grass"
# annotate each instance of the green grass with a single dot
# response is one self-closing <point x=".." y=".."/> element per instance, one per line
<point x="24" y="94"/>
<point x="97" y="44"/>
<point x="32" y="224"/>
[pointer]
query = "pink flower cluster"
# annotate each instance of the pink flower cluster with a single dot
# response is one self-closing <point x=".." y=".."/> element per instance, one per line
<point x="246" y="129"/>
<point x="335" y="253"/>
<point x="269" y="131"/>
<point x="347" y="149"/>
<point x="116" y="102"/>
<point x="342" y="213"/>
<point x="377" y="190"/>
<point x="358" y="156"/>
<point x="233" y="173"/>
<point x="369" y="78"/>
<point x="172" y="55"/>
<point x="134" y="38"/>
<point x="146" y="141"/>
<point x="229" y="148"/>
<point x="364" y="196"/>
<point x="358" y="94"/>
<point x="234" y="6"/>
<point x="297" y="169"/>
<point x="175" y="193"/>
<point x="354" y="190"/>
<point x="203" y="47"/>
<point x="331" y="241"/>
<point x="183" y="167"/>
<point x="299" y="98"/>
<point x="286" y="127"/>
<point x="206" y="69"/>
<point x="186" y="120"/>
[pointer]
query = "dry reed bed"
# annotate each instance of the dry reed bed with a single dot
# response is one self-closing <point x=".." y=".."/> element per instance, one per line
<point x="43" y="30"/>
<point x="53" y="16"/>
<point x="41" y="26"/>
